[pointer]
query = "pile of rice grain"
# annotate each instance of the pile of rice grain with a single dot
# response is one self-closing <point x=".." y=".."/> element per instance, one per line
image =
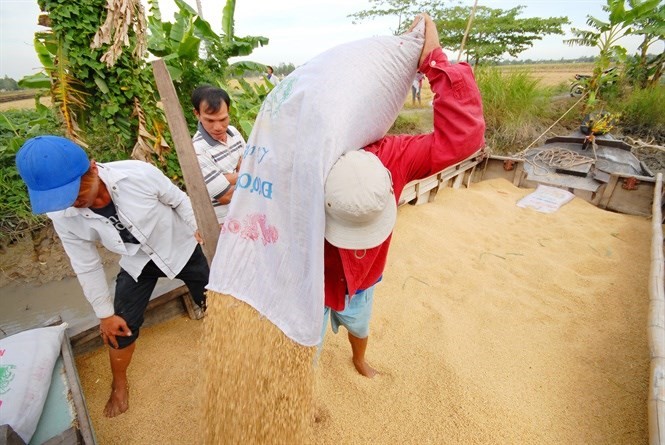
<point x="492" y="325"/>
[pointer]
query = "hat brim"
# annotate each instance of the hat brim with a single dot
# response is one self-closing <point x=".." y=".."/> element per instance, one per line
<point x="345" y="236"/>
<point x="60" y="198"/>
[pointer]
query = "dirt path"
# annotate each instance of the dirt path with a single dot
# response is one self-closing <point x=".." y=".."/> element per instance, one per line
<point x="23" y="104"/>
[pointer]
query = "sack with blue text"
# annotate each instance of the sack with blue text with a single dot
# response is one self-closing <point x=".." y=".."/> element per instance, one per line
<point x="270" y="250"/>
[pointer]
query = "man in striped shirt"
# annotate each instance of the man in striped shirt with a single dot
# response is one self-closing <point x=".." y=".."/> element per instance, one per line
<point x="218" y="146"/>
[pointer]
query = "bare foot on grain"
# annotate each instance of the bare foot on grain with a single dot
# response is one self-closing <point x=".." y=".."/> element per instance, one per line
<point x="118" y="402"/>
<point x="364" y="368"/>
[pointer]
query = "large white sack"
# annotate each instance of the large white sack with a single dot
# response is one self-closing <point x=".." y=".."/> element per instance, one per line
<point x="26" y="364"/>
<point x="270" y="250"/>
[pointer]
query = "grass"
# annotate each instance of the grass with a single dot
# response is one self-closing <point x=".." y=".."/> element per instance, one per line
<point x="643" y="112"/>
<point x="518" y="108"/>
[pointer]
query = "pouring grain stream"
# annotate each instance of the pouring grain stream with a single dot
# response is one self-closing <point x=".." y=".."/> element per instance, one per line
<point x="266" y="396"/>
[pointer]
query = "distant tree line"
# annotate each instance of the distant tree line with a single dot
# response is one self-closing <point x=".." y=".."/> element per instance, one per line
<point x="282" y="70"/>
<point x="583" y="59"/>
<point x="8" y="84"/>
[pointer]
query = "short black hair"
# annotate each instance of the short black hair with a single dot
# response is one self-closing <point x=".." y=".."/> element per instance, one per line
<point x="212" y="96"/>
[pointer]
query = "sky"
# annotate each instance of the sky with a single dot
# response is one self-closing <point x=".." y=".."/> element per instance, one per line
<point x="298" y="29"/>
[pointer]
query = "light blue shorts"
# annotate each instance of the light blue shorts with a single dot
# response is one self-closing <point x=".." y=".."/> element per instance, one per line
<point x="355" y="316"/>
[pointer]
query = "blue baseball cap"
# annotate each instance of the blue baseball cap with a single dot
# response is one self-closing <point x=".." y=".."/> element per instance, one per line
<point x="51" y="167"/>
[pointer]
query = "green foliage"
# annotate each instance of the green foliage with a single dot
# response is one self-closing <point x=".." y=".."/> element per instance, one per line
<point x="494" y="32"/>
<point x="643" y="112"/>
<point x="515" y="107"/>
<point x="414" y="121"/>
<point x="8" y="84"/>
<point x="606" y="34"/>
<point x="644" y="70"/>
<point x="284" y="69"/>
<point x="90" y="94"/>
<point x="382" y="8"/>
<point x="181" y="43"/>
<point x="15" y="127"/>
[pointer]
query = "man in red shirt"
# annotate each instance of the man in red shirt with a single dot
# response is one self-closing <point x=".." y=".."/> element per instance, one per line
<point x="361" y="208"/>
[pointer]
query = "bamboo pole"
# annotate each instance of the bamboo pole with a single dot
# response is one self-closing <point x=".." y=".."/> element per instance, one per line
<point x="196" y="189"/>
<point x="656" y="323"/>
<point x="468" y="27"/>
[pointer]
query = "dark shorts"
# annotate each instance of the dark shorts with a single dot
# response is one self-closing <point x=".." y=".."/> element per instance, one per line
<point x="132" y="297"/>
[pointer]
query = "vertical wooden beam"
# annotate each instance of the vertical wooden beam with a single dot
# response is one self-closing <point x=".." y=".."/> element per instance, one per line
<point x="196" y="189"/>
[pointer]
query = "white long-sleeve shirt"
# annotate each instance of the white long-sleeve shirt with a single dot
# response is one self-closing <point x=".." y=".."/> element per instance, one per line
<point x="156" y="212"/>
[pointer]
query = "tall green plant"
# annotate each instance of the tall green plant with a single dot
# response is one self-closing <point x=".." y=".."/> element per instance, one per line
<point x="97" y="93"/>
<point x="515" y="107"/>
<point x="15" y="127"/>
<point x="180" y="44"/>
<point x="605" y="35"/>
<point x="495" y="32"/>
<point x="645" y="71"/>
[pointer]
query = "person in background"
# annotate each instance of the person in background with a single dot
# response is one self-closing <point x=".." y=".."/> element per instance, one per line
<point x="132" y="209"/>
<point x="363" y="188"/>
<point x="218" y="146"/>
<point x="416" y="86"/>
<point x="271" y="77"/>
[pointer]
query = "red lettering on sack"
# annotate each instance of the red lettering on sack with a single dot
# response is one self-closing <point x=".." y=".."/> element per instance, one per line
<point x="2" y="352"/>
<point x="253" y="227"/>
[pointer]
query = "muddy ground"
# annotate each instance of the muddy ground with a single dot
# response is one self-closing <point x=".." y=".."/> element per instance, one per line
<point x="38" y="258"/>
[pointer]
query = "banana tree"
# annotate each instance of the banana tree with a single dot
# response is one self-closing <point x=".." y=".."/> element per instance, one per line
<point x="646" y="71"/>
<point x="67" y="92"/>
<point x="180" y="45"/>
<point x="606" y="35"/>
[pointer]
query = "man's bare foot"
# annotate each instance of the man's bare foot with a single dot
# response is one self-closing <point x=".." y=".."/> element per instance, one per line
<point x="364" y="368"/>
<point x="118" y="402"/>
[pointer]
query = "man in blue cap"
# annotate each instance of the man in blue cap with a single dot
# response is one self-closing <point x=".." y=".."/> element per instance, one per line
<point x="134" y="210"/>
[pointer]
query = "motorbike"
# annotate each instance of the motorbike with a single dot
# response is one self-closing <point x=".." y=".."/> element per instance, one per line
<point x="581" y="83"/>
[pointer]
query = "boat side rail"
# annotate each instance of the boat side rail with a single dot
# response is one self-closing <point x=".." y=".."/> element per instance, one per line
<point x="422" y="191"/>
<point x="656" y="323"/>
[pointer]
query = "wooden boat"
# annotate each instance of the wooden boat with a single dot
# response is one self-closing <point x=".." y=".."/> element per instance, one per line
<point x="615" y="181"/>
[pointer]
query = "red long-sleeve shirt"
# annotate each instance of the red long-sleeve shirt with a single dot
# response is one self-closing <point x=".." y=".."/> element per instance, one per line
<point x="459" y="130"/>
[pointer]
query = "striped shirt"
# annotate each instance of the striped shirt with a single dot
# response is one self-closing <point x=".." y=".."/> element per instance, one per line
<point x="217" y="159"/>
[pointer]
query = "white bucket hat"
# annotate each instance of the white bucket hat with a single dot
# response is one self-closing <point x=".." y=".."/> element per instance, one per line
<point x="360" y="204"/>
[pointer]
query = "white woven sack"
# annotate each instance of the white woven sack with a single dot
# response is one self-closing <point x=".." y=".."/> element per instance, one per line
<point x="26" y="364"/>
<point x="270" y="251"/>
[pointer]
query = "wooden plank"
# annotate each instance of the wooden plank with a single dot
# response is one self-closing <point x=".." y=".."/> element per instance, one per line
<point x="9" y="437"/>
<point x="70" y="436"/>
<point x="408" y="193"/>
<point x="656" y="322"/>
<point x="632" y="202"/>
<point x="609" y="189"/>
<point x="459" y="180"/>
<point x="82" y="417"/>
<point x="519" y="172"/>
<point x="424" y="188"/>
<point x="191" y="172"/>
<point x="656" y="403"/>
